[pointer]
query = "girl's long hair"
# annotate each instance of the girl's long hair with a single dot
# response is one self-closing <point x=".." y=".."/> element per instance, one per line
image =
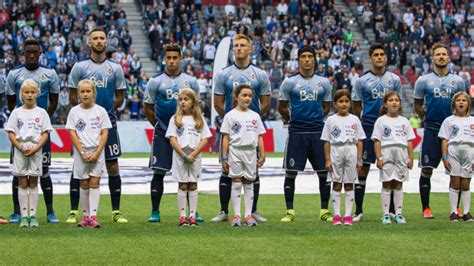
<point x="453" y="105"/>
<point x="195" y="109"/>
<point x="383" y="109"/>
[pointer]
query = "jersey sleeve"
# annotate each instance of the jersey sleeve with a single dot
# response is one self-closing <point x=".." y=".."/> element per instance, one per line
<point x="325" y="133"/>
<point x="397" y="85"/>
<point x="150" y="91"/>
<point x="195" y="87"/>
<point x="225" y="128"/>
<point x="285" y="89"/>
<point x="119" y="79"/>
<point x="171" y="131"/>
<point x="54" y="86"/>
<point x="74" y="77"/>
<point x="419" y="91"/>
<point x="444" y="130"/>
<point x="357" y="91"/>
<point x="219" y="86"/>
<point x="10" y="84"/>
<point x="205" y="132"/>
<point x="360" y="134"/>
<point x="10" y="126"/>
<point x="376" y="135"/>
<point x="462" y="85"/>
<point x="265" y="88"/>
<point x="261" y="128"/>
<point x="105" y="120"/>
<point x="70" y="120"/>
<point x="327" y="91"/>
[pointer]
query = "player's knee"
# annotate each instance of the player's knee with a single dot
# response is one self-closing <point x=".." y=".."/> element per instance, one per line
<point x="33" y="182"/>
<point x="291" y="174"/>
<point x="225" y="180"/>
<point x="246" y="181"/>
<point x="94" y="182"/>
<point x="336" y="186"/>
<point x="426" y="172"/>
<point x="348" y="187"/>
<point x="84" y="184"/>
<point x="397" y="185"/>
<point x="45" y="172"/>
<point x="192" y="186"/>
<point x="159" y="172"/>
<point x="112" y="167"/>
<point x="387" y="185"/>
<point x="22" y="182"/>
<point x="183" y="186"/>
<point x="465" y="184"/>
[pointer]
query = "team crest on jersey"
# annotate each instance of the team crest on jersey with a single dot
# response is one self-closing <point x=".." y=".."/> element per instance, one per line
<point x="336" y="132"/>
<point x="253" y="76"/>
<point x="455" y="131"/>
<point x="19" y="123"/>
<point x="42" y="77"/>
<point x="389" y="82"/>
<point x="453" y="83"/>
<point x="386" y="132"/>
<point x="186" y="83"/>
<point x="319" y="84"/>
<point x="80" y="125"/>
<point x="426" y="158"/>
<point x="292" y="162"/>
<point x="236" y="127"/>
<point x="180" y="131"/>
<point x="109" y="71"/>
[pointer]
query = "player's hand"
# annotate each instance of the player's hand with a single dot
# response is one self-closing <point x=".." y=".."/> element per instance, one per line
<point x="93" y="157"/>
<point x="447" y="165"/>
<point x="225" y="166"/>
<point x="190" y="159"/>
<point x="329" y="166"/>
<point x="410" y="164"/>
<point x="28" y="152"/>
<point x="261" y="161"/>
<point x="379" y="164"/>
<point x="360" y="166"/>
<point x="86" y="156"/>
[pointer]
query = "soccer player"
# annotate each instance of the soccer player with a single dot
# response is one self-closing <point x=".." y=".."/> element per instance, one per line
<point x="305" y="100"/>
<point x="160" y="105"/>
<point x="433" y="94"/>
<point x="48" y="82"/>
<point x="367" y="97"/>
<point x="241" y="72"/>
<point x="110" y="85"/>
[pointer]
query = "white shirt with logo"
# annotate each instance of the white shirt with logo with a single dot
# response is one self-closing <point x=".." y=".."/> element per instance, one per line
<point x="28" y="124"/>
<point x="187" y="135"/>
<point x="88" y="124"/>
<point x="343" y="130"/>
<point x="393" y="131"/>
<point x="244" y="128"/>
<point x="458" y="130"/>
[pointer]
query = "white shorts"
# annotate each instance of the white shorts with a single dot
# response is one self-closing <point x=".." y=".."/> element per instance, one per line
<point x="27" y="166"/>
<point x="461" y="158"/>
<point x="344" y="164"/>
<point x="184" y="172"/>
<point x="84" y="170"/>
<point x="243" y="163"/>
<point x="395" y="167"/>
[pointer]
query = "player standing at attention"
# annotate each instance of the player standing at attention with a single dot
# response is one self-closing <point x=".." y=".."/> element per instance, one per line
<point x="28" y="128"/>
<point x="343" y="135"/>
<point x="241" y="72"/>
<point x="393" y="146"/>
<point x="160" y="105"/>
<point x="48" y="82"/>
<point x="367" y="97"/>
<point x="188" y="134"/>
<point x="457" y="146"/>
<point x="308" y="97"/>
<point x="2" y="91"/>
<point x="110" y="86"/>
<point x="433" y="93"/>
<point x="88" y="126"/>
<point x="243" y="130"/>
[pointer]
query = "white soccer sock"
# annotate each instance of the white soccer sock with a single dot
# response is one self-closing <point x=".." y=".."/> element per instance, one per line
<point x="385" y="200"/>
<point x="466" y="200"/>
<point x="349" y="202"/>
<point x="182" y="202"/>
<point x="94" y="198"/>
<point x="23" y="200"/>
<point x="33" y="200"/>
<point x="84" y="197"/>
<point x="193" y="202"/>
<point x="453" y="199"/>
<point x="248" y="199"/>
<point x="336" y="202"/>
<point x="235" y="197"/>
<point x="398" y="200"/>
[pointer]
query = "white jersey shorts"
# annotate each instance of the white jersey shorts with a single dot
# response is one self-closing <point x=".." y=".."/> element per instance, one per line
<point x="243" y="163"/>
<point x="184" y="172"/>
<point x="461" y="159"/>
<point x="27" y="166"/>
<point x="84" y="170"/>
<point x="395" y="167"/>
<point x="344" y="164"/>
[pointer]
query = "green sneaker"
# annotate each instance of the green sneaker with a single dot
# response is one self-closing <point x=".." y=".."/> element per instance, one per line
<point x="399" y="219"/>
<point x="289" y="217"/>
<point x="73" y="217"/>
<point x="34" y="221"/>
<point x="386" y="219"/>
<point x="154" y="217"/>
<point x="24" y="222"/>
<point x="199" y="219"/>
<point x="118" y="217"/>
<point x="325" y="216"/>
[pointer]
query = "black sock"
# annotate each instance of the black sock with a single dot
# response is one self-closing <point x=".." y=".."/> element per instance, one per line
<point x="74" y="193"/>
<point x="115" y="187"/>
<point x="324" y="189"/>
<point x="47" y="188"/>
<point x="391" y="207"/>
<point x="225" y="188"/>
<point x="16" y="203"/>
<point x="256" y="192"/>
<point x="425" y="188"/>
<point x="459" y="198"/>
<point x="156" y="191"/>
<point x="359" y="193"/>
<point x="289" y="188"/>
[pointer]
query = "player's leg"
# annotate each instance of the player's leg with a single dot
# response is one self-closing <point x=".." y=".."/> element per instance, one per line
<point x="156" y="192"/>
<point x="74" y="195"/>
<point x="23" y="192"/>
<point x="348" y="202"/>
<point x="368" y="157"/>
<point x="466" y="198"/>
<point x="289" y="189"/>
<point x="182" y="192"/>
<point x="397" y="192"/>
<point x="225" y="188"/>
<point x="235" y="197"/>
<point x="429" y="159"/>
<point x="336" y="203"/>
<point x="296" y="154"/>
<point x="318" y="161"/>
<point x="47" y="184"/>
<point x="15" y="216"/>
<point x="193" y="202"/>
<point x="33" y="200"/>
<point x="385" y="201"/>
<point x="94" y="198"/>
<point x="248" y="201"/>
<point x="85" y="202"/>
<point x="454" y="189"/>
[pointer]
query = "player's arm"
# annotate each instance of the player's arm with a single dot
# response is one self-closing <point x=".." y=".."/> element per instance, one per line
<point x="326" y="108"/>
<point x="327" y="155"/>
<point x="219" y="101"/>
<point x="357" y="107"/>
<point x="11" y="99"/>
<point x="199" y="148"/>
<point x="360" y="146"/>
<point x="261" y="151"/>
<point x="104" y="133"/>
<point x="420" y="108"/>
<point x="77" y="144"/>
<point x="410" y="154"/>
<point x="283" y="110"/>
<point x="174" y="143"/>
<point x="378" y="153"/>
<point x="264" y="104"/>
<point x="444" y="154"/>
<point x="14" y="141"/>
<point x="41" y="143"/>
<point x="149" y="110"/>
<point x="53" y="103"/>
<point x="225" y="153"/>
<point x="73" y="96"/>
<point x="119" y="97"/>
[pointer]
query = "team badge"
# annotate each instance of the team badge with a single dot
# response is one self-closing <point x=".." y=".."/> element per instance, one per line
<point x="453" y="83"/>
<point x="455" y="131"/>
<point x="186" y="83"/>
<point x="42" y="77"/>
<point x="80" y="125"/>
<point x="236" y="127"/>
<point x="253" y="76"/>
<point x="364" y="155"/>
<point x="292" y="162"/>
<point x="386" y="132"/>
<point x="336" y="132"/>
<point x="426" y="158"/>
<point x="19" y="123"/>
<point x="153" y="160"/>
<point x="389" y="82"/>
<point x="109" y="71"/>
<point x="319" y="84"/>
<point x="180" y="131"/>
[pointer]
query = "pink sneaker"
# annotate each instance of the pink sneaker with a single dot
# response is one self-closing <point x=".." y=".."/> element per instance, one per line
<point x="336" y="220"/>
<point x="84" y="222"/>
<point x="348" y="220"/>
<point x="94" y="223"/>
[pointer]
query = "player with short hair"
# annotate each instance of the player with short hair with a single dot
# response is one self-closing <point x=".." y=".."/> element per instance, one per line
<point x="110" y="85"/>
<point x="226" y="80"/>
<point x="160" y="105"/>
<point x="48" y="81"/>
<point x="367" y="97"/>
<point x="433" y="94"/>
<point x="305" y="100"/>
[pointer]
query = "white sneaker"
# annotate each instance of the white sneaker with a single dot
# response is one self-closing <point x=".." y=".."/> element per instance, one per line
<point x="259" y="217"/>
<point x="221" y="217"/>
<point x="358" y="217"/>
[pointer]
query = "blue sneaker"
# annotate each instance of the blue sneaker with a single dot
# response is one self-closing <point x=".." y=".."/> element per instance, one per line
<point x="199" y="219"/>
<point x="155" y="217"/>
<point x="51" y="218"/>
<point x="14" y="218"/>
<point x="386" y="219"/>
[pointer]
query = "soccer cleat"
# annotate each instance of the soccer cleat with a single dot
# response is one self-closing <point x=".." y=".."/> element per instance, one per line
<point x="453" y="217"/>
<point x="460" y="214"/>
<point x="357" y="217"/>
<point x="192" y="221"/>
<point x="199" y="219"/>
<point x="3" y="220"/>
<point x="51" y="218"/>
<point x="427" y="214"/>
<point x="24" y="222"/>
<point x="182" y="221"/>
<point x="34" y="222"/>
<point x="14" y="218"/>
<point x="325" y="215"/>
<point x="250" y="221"/>
<point x="84" y="222"/>
<point x="337" y="220"/>
<point x="221" y="217"/>
<point x="289" y="217"/>
<point x="118" y="217"/>
<point x="236" y="221"/>
<point x="259" y="218"/>
<point x="155" y="217"/>
<point x="386" y="219"/>
<point x="73" y="217"/>
<point x="348" y="220"/>
<point x="392" y="215"/>
<point x="467" y="217"/>
<point x="399" y="219"/>
<point x="94" y="223"/>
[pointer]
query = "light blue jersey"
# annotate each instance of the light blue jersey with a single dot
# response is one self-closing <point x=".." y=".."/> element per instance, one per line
<point x="107" y="76"/>
<point x="437" y="93"/>
<point x="232" y="76"/>
<point x="46" y="78"/>
<point x="370" y="89"/>
<point x="162" y="91"/>
<point x="306" y="97"/>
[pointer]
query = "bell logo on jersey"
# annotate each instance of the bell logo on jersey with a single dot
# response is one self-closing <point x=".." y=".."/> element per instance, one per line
<point x="378" y="93"/>
<point x="172" y="95"/>
<point x="100" y="83"/>
<point x="438" y="93"/>
<point x="308" y="96"/>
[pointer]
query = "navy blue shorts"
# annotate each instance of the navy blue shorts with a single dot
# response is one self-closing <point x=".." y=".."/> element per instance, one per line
<point x="112" y="148"/>
<point x="161" y="151"/>
<point x="430" y="149"/>
<point x="302" y="147"/>
<point x="368" y="150"/>
<point x="46" y="153"/>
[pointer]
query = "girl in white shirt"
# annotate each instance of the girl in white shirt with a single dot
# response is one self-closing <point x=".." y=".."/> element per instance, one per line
<point x="393" y="145"/>
<point x="457" y="134"/>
